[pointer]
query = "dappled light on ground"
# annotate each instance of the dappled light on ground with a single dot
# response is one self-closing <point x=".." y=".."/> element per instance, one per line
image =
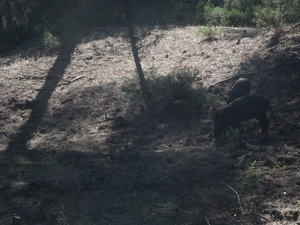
<point x="76" y="150"/>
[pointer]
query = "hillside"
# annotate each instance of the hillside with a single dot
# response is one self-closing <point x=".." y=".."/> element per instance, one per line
<point x="65" y="158"/>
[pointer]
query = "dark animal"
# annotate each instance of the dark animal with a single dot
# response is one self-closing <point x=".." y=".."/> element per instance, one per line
<point x="244" y="108"/>
<point x="241" y="88"/>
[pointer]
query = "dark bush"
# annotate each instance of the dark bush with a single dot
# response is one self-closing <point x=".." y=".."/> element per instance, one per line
<point x="177" y="90"/>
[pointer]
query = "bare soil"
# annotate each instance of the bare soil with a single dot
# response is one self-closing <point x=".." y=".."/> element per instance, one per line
<point x="75" y="150"/>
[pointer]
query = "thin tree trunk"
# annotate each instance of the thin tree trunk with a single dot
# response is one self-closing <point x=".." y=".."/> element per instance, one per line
<point x="8" y="12"/>
<point x="145" y="91"/>
<point x="1" y="20"/>
<point x="24" y="9"/>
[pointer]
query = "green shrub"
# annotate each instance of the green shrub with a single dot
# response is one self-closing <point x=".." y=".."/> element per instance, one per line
<point x="182" y="13"/>
<point x="214" y="15"/>
<point x="50" y="41"/>
<point x="240" y="12"/>
<point x="236" y="17"/>
<point x="268" y="16"/>
<point x="233" y="134"/>
<point x="177" y="90"/>
<point x="291" y="11"/>
<point x="209" y="31"/>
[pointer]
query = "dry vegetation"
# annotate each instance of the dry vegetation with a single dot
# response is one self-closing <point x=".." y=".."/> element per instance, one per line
<point x="66" y="159"/>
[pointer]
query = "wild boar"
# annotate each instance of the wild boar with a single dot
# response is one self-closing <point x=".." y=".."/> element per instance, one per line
<point x="244" y="108"/>
<point x="241" y="88"/>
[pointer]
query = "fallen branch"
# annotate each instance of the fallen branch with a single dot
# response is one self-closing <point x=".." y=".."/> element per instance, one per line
<point x="285" y="123"/>
<point x="66" y="80"/>
<point x="263" y="217"/>
<point x="76" y="78"/>
<point x="291" y="108"/>
<point x="51" y="73"/>
<point x="266" y="182"/>
<point x="277" y="123"/>
<point x="207" y="221"/>
<point x="238" y="197"/>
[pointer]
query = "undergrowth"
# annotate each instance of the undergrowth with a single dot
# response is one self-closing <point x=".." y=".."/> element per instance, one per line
<point x="50" y="41"/>
<point x="176" y="91"/>
<point x="210" y="32"/>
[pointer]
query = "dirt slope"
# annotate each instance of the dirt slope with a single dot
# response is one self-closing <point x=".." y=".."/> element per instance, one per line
<point x="65" y="158"/>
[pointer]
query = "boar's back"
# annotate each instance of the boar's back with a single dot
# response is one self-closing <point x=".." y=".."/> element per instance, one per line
<point x="241" y="88"/>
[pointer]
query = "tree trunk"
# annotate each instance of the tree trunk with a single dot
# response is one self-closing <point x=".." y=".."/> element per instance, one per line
<point x="8" y="12"/>
<point x="145" y="91"/>
<point x="1" y="20"/>
<point x="24" y="9"/>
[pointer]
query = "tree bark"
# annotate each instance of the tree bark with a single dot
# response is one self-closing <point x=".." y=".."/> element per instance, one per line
<point x="1" y="20"/>
<point x="145" y="90"/>
<point x="8" y="12"/>
<point x="24" y="9"/>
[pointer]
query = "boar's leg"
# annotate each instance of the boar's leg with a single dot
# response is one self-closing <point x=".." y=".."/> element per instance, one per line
<point x="264" y="123"/>
<point x="235" y="124"/>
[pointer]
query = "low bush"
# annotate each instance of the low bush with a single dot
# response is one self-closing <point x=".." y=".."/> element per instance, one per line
<point x="175" y="91"/>
<point x="237" y="17"/>
<point x="269" y="17"/>
<point x="50" y="41"/>
<point x="214" y="15"/>
<point x="210" y="32"/>
<point x="18" y="32"/>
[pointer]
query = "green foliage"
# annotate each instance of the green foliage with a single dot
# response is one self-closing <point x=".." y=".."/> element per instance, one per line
<point x="242" y="5"/>
<point x="236" y="17"/>
<point x="269" y="15"/>
<point x="274" y="15"/>
<point x="276" y="166"/>
<point x="62" y="218"/>
<point x="234" y="134"/>
<point x="214" y="15"/>
<point x="85" y="219"/>
<point x="50" y="41"/>
<point x="60" y="17"/>
<point x="209" y="31"/>
<point x="18" y="32"/>
<point x="176" y="90"/>
<point x="245" y="178"/>
<point x="240" y="12"/>
<point x="291" y="10"/>
<point x="179" y="12"/>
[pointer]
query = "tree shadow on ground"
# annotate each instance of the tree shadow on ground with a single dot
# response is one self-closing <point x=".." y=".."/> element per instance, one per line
<point x="40" y="103"/>
<point x="86" y="168"/>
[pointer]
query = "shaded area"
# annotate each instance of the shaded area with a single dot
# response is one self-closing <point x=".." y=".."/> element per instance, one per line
<point x="275" y="76"/>
<point x="40" y="103"/>
<point x="83" y="167"/>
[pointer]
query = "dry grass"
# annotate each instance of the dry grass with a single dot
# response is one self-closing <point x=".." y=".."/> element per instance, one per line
<point x="63" y="162"/>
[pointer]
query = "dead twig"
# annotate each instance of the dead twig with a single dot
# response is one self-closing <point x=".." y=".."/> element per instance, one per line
<point x="207" y="221"/>
<point x="76" y="78"/>
<point x="285" y="123"/>
<point x="275" y="124"/>
<point x="66" y="80"/>
<point x="52" y="73"/>
<point x="291" y="108"/>
<point x="263" y="217"/>
<point x="276" y="184"/>
<point x="238" y="197"/>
